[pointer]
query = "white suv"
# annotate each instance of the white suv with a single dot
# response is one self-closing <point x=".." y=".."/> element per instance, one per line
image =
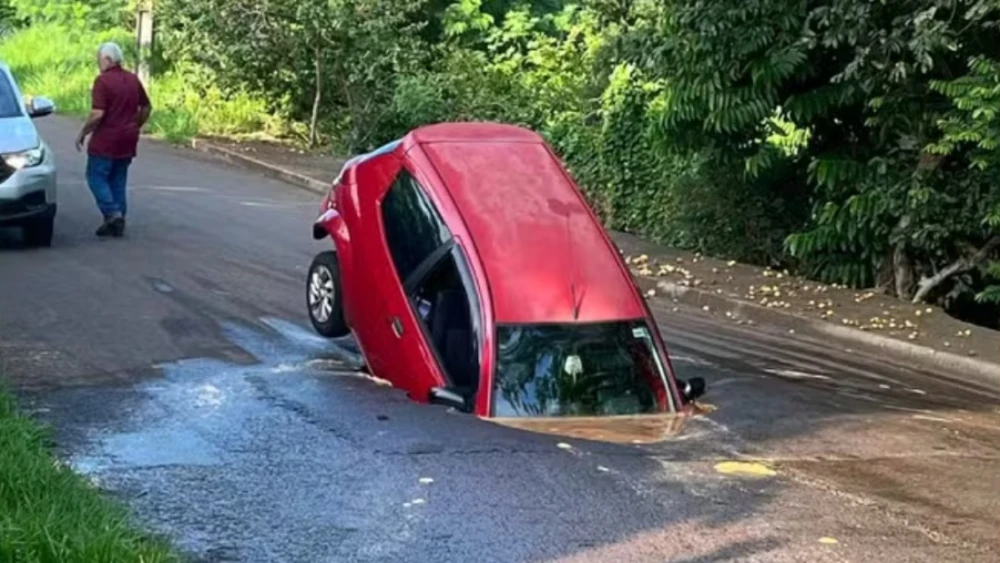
<point x="27" y="166"/>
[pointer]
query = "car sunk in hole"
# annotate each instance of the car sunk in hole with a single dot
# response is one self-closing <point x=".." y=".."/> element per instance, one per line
<point x="472" y="273"/>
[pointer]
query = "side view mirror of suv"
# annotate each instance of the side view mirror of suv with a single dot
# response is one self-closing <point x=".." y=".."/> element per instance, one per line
<point x="40" y="107"/>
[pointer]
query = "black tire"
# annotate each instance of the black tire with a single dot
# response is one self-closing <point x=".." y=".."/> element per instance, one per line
<point x="38" y="232"/>
<point x="328" y="318"/>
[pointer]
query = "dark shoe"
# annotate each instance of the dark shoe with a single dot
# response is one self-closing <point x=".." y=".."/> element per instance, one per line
<point x="118" y="227"/>
<point x="106" y="229"/>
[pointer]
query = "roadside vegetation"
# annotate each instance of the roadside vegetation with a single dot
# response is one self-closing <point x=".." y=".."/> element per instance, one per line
<point x="49" y="514"/>
<point x="855" y="142"/>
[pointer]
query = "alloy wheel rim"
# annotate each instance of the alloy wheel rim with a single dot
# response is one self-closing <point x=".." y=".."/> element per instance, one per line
<point x="322" y="294"/>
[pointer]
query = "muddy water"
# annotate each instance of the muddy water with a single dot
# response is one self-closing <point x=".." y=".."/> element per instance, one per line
<point x="640" y="429"/>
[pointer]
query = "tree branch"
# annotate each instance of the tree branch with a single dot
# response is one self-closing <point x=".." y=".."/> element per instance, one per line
<point x="317" y="97"/>
<point x="959" y="266"/>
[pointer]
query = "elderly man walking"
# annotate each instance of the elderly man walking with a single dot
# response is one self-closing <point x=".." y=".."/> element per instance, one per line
<point x="119" y="109"/>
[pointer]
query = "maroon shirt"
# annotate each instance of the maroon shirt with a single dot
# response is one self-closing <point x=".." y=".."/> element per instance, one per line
<point x="120" y="94"/>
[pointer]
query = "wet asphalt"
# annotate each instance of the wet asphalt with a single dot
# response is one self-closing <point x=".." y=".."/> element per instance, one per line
<point x="178" y="373"/>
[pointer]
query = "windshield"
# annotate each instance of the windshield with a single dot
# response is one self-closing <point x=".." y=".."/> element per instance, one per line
<point x="10" y="105"/>
<point x="578" y="370"/>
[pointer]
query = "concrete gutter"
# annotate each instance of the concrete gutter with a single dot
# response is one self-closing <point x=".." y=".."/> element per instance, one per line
<point x="261" y="167"/>
<point x="952" y="366"/>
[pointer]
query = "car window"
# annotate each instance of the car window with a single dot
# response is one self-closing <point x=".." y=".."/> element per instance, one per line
<point x="413" y="228"/>
<point x="449" y="311"/>
<point x="10" y="105"/>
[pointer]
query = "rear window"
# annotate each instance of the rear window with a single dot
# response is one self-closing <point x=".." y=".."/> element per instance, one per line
<point x="10" y="105"/>
<point x="578" y="370"/>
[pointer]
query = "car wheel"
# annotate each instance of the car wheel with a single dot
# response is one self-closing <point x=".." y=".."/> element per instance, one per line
<point x="324" y="298"/>
<point x="39" y="232"/>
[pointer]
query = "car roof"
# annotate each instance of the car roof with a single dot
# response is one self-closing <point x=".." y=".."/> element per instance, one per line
<point x="472" y="133"/>
<point x="546" y="258"/>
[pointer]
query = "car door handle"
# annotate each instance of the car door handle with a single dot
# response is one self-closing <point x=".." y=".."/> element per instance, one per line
<point x="397" y="327"/>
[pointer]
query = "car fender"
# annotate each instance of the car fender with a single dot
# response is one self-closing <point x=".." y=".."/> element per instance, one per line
<point x="332" y="224"/>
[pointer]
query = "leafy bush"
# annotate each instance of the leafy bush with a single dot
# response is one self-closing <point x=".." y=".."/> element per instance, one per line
<point x="56" y="61"/>
<point x="863" y="79"/>
<point x="81" y="14"/>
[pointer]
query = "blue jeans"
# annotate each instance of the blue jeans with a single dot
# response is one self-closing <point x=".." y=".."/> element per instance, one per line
<point x="107" y="178"/>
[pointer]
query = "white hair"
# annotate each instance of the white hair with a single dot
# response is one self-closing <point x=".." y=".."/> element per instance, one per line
<point x="111" y="51"/>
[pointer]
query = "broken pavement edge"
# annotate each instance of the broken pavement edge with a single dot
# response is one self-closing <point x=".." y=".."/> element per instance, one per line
<point x="906" y="353"/>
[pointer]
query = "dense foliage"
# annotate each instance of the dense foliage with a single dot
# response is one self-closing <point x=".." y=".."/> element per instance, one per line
<point x="9" y="19"/>
<point x="892" y="203"/>
<point x="857" y="141"/>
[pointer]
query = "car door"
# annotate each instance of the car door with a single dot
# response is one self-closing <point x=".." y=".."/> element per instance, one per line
<point x="414" y="238"/>
<point x="368" y="262"/>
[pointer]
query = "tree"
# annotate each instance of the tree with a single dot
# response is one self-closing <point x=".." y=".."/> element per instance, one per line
<point x="857" y="77"/>
<point x="332" y="62"/>
<point x="973" y="125"/>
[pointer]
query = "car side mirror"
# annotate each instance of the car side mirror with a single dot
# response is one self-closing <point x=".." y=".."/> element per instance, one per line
<point x="40" y="107"/>
<point x="692" y="388"/>
<point x="448" y="398"/>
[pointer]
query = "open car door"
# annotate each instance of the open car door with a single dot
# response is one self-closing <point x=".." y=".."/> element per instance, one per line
<point x="430" y="314"/>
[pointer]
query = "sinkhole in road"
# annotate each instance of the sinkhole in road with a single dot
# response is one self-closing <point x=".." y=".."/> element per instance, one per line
<point x="204" y="411"/>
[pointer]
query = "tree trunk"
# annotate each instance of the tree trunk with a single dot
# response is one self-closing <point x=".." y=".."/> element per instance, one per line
<point x="885" y="280"/>
<point x="317" y="98"/>
<point x="959" y="266"/>
<point x="902" y="267"/>
<point x="895" y="275"/>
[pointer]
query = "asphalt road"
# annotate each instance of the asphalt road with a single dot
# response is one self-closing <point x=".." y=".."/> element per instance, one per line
<point x="178" y="373"/>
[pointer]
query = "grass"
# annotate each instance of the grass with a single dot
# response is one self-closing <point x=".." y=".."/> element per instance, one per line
<point x="59" y="63"/>
<point x="49" y="514"/>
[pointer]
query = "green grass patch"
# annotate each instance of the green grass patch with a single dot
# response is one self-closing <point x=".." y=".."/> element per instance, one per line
<point x="59" y="63"/>
<point x="49" y="514"/>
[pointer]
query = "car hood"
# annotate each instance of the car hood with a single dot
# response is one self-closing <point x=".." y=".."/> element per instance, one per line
<point x="17" y="134"/>
<point x="638" y="429"/>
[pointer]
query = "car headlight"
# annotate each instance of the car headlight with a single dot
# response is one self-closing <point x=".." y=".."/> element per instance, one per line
<point x="25" y="159"/>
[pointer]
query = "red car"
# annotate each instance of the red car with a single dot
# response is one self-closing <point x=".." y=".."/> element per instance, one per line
<point x="472" y="273"/>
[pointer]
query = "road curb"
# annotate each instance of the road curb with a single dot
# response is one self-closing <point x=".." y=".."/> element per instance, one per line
<point x="903" y="352"/>
<point x="260" y="166"/>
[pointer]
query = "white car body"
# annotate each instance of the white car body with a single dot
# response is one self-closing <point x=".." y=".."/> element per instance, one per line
<point x="27" y="165"/>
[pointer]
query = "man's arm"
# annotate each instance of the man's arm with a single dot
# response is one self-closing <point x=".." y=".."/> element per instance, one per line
<point x="93" y="120"/>
<point x="97" y="105"/>
<point x="144" y="112"/>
